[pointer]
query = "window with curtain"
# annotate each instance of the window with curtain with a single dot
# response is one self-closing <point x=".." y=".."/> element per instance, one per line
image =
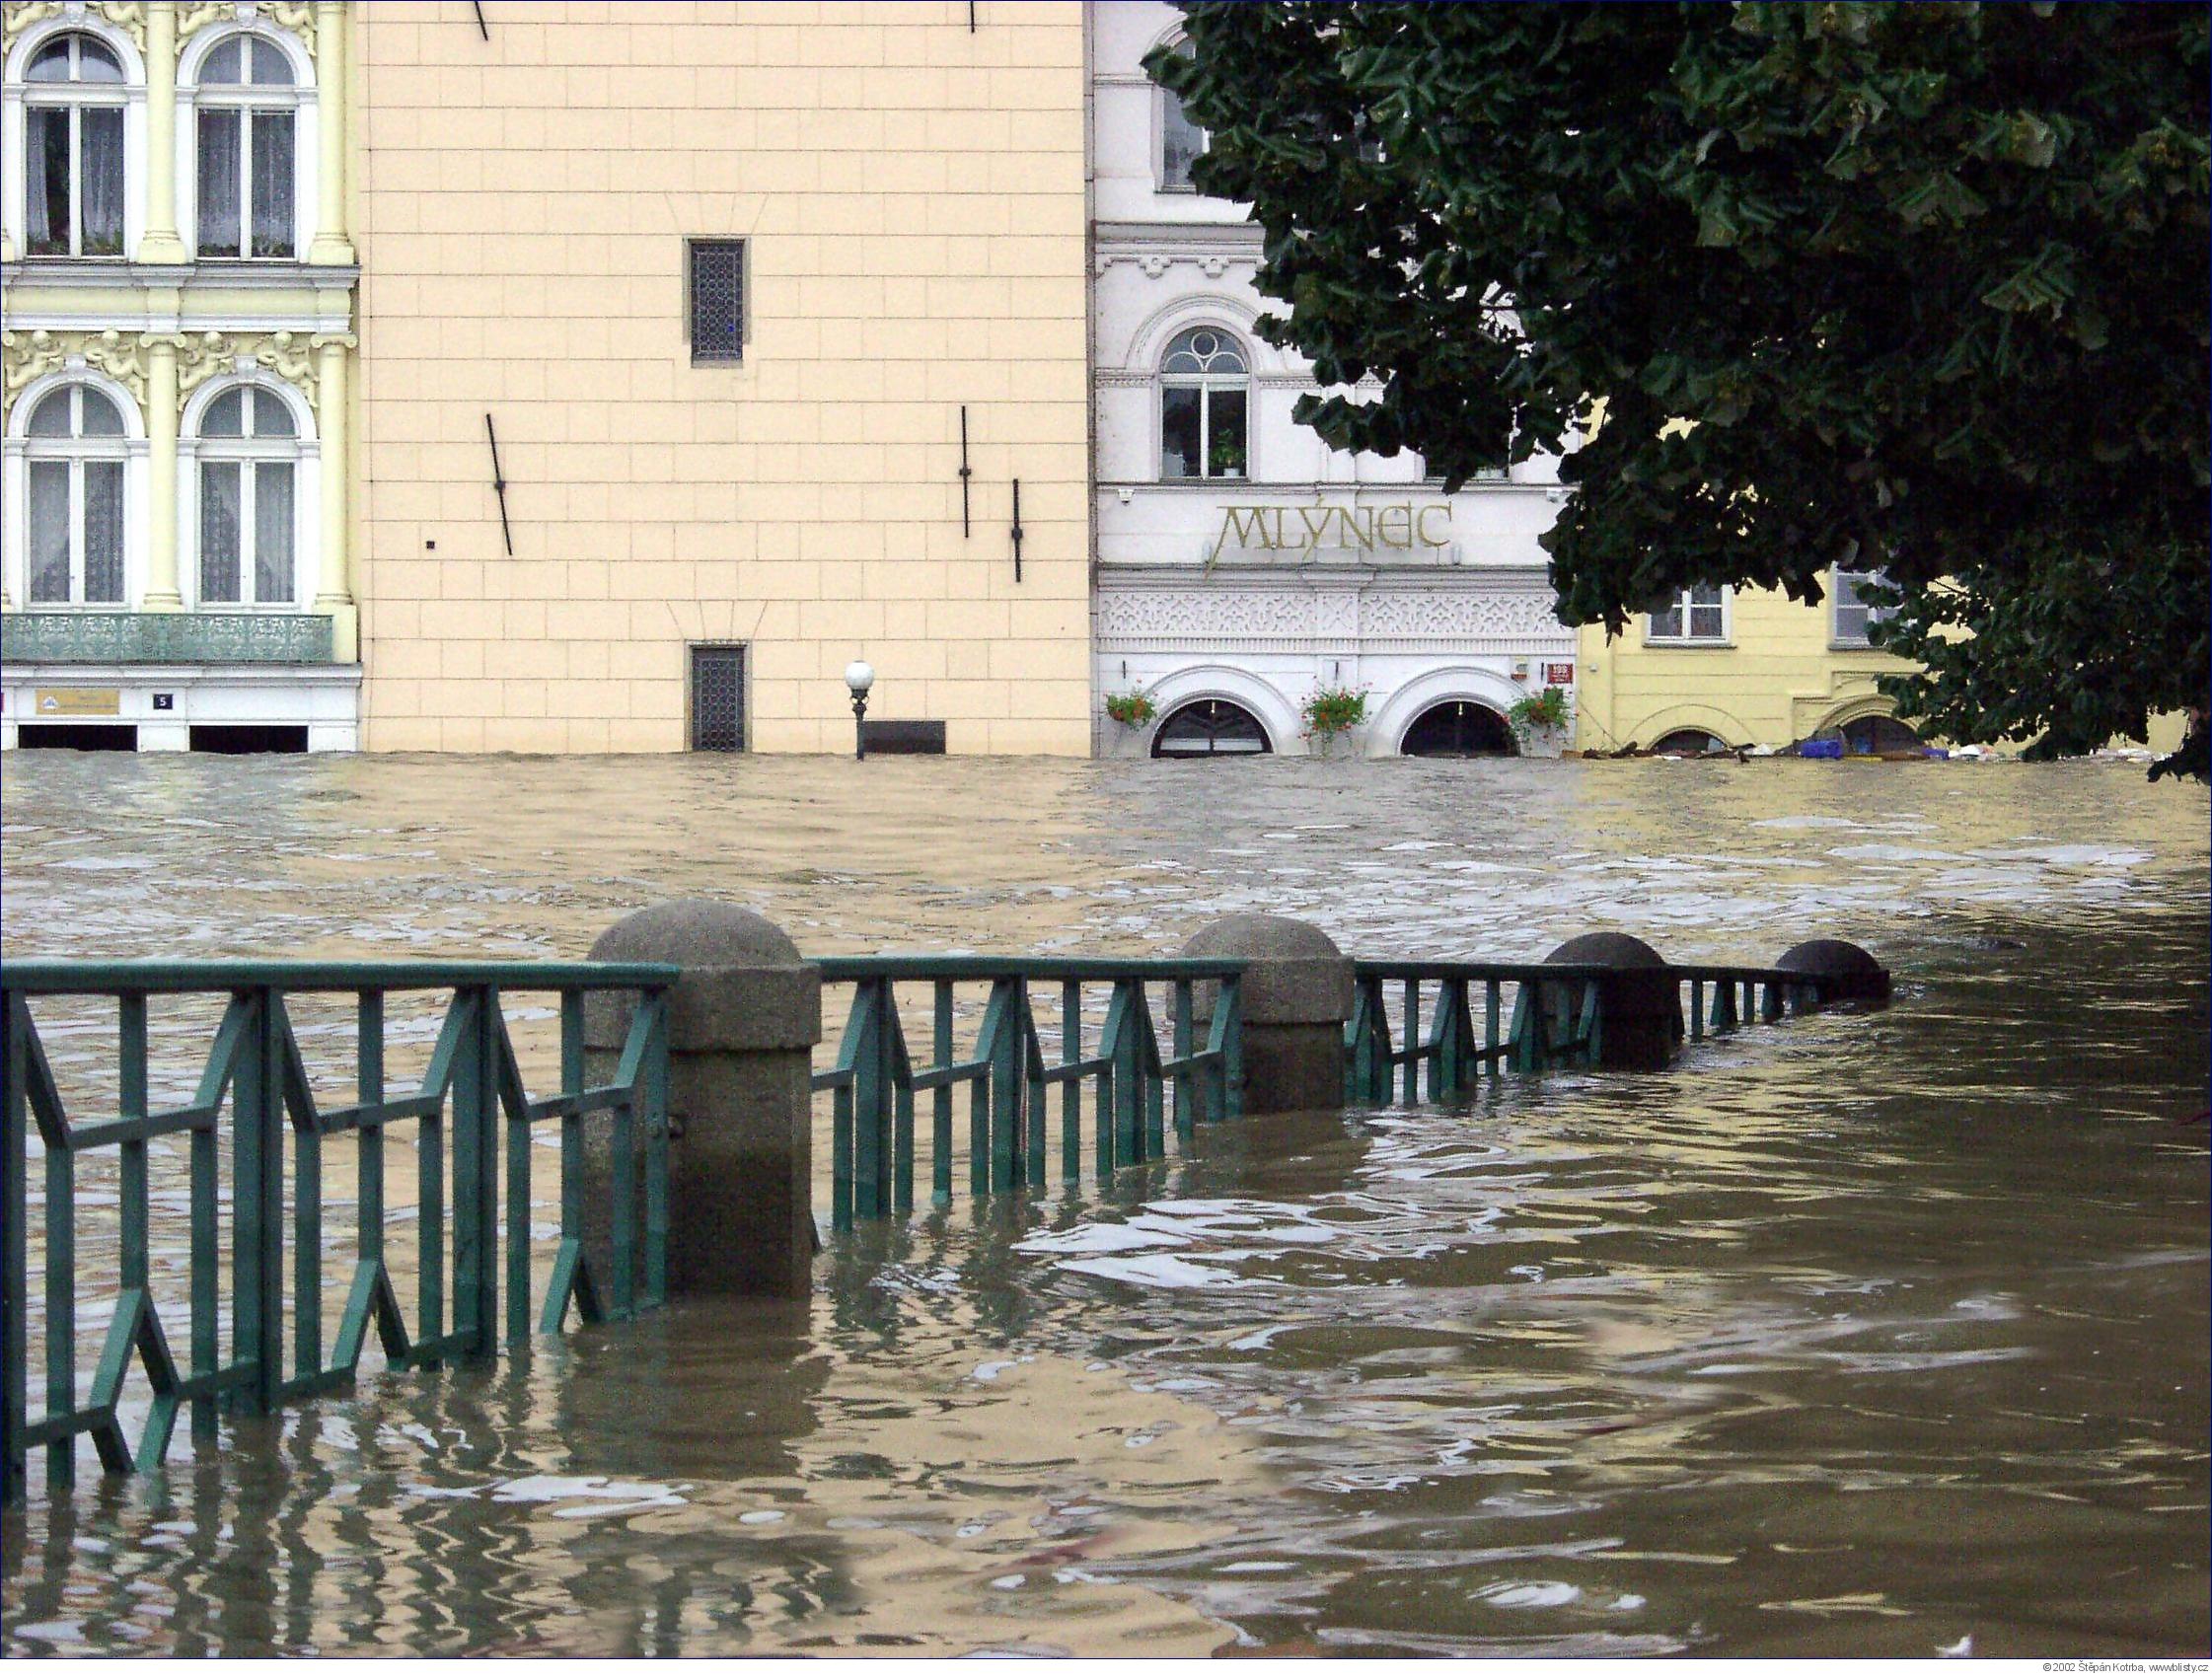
<point x="249" y="470"/>
<point x="1694" y="614"/>
<point x="1854" y="615"/>
<point x="73" y="100"/>
<point x="1204" y="395"/>
<point x="1181" y="141"/>
<point x="247" y="111"/>
<point x="75" y="451"/>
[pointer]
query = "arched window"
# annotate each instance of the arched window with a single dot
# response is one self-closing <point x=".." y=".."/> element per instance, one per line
<point x="73" y="103"/>
<point x="1211" y="728"/>
<point x="1204" y="391"/>
<point x="1181" y="142"/>
<point x="1878" y="735"/>
<point x="248" y="454"/>
<point x="75" y="450"/>
<point x="247" y="117"/>
<point x="1459" y="728"/>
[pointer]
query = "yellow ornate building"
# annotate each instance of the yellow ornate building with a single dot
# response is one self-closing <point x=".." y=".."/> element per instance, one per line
<point x="1727" y="668"/>
<point x="176" y="292"/>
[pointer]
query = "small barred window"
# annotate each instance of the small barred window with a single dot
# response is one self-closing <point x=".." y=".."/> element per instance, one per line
<point x="717" y="301"/>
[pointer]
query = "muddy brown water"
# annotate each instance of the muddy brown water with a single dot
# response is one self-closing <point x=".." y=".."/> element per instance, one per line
<point x="1859" y="1335"/>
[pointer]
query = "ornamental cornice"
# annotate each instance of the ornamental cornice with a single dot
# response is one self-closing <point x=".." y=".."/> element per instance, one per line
<point x="129" y="16"/>
<point x="297" y="16"/>
<point x="28" y="356"/>
<point x="1154" y="263"/>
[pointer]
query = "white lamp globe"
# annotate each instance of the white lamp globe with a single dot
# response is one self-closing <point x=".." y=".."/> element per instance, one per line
<point x="859" y="676"/>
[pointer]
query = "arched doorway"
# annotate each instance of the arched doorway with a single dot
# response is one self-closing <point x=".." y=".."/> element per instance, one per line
<point x="1211" y="728"/>
<point x="1688" y="742"/>
<point x="1459" y="728"/>
<point x="1871" y="736"/>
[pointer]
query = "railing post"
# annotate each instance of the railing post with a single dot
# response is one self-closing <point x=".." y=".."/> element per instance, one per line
<point x="258" y="1206"/>
<point x="1296" y="997"/>
<point x="15" y="1278"/>
<point x="741" y="1022"/>
<point x="476" y="1174"/>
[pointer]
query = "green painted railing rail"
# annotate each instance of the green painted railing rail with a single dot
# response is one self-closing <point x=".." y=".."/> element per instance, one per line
<point x="1557" y="1019"/>
<point x="875" y="1077"/>
<point x="253" y="1083"/>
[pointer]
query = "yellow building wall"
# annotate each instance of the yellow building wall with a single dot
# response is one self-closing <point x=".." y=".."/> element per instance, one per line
<point x="912" y="194"/>
<point x="1778" y="680"/>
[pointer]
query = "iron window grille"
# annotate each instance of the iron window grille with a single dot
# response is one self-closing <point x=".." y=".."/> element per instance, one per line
<point x="714" y="283"/>
<point x="717" y="698"/>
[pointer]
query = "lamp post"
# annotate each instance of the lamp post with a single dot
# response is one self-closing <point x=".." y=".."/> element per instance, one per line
<point x="859" y="678"/>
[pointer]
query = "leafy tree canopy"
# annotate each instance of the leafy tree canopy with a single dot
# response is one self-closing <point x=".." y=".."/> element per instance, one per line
<point x="1915" y="287"/>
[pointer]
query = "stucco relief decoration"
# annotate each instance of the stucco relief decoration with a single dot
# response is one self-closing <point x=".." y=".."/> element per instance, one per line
<point x="1411" y="614"/>
<point x="291" y="356"/>
<point x="30" y="356"/>
<point x="1153" y="263"/>
<point x="297" y="16"/>
<point x="129" y="16"/>
<point x="1206" y="612"/>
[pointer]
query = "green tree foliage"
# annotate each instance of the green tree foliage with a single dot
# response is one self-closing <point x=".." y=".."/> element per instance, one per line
<point x="1915" y="287"/>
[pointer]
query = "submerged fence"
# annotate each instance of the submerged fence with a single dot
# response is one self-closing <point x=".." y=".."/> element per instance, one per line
<point x="252" y="1090"/>
<point x="1008" y="1080"/>
<point x="686" y="1048"/>
<point x="1557" y="1019"/>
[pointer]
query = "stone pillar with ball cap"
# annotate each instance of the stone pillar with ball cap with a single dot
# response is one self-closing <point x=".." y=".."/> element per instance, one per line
<point x="742" y="1024"/>
<point x="1639" y="1003"/>
<point x="1843" y="973"/>
<point x="1296" y="997"/>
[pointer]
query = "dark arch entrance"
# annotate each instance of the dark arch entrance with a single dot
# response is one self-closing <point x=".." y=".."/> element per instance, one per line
<point x="1211" y="728"/>
<point x="1688" y="742"/>
<point x="1459" y="728"/>
<point x="1871" y="736"/>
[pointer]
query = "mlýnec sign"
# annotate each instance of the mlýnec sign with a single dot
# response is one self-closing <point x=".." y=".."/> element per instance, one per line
<point x="1559" y="676"/>
<point x="78" y="701"/>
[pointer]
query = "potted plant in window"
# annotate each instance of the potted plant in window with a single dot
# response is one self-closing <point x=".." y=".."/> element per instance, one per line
<point x="1331" y="713"/>
<point x="1539" y="718"/>
<point x="1132" y="709"/>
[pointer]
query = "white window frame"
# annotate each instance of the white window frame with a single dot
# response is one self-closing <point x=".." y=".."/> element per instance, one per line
<point x="302" y="99"/>
<point x="1873" y="615"/>
<point x="1683" y="603"/>
<point x="16" y="456"/>
<point x="15" y="96"/>
<point x="1161" y="96"/>
<point x="1205" y="384"/>
<point x="304" y="453"/>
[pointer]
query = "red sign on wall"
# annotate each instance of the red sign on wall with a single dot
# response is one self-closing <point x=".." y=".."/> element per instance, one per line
<point x="1559" y="676"/>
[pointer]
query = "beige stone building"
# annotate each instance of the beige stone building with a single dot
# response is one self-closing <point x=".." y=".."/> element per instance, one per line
<point x="722" y="281"/>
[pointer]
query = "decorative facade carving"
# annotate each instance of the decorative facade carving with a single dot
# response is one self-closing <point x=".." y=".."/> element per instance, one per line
<point x="297" y="16"/>
<point x="28" y="357"/>
<point x="129" y="16"/>
<point x="1485" y="620"/>
<point x="291" y="356"/>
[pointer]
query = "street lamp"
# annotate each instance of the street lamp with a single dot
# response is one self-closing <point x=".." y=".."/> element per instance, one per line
<point x="859" y="676"/>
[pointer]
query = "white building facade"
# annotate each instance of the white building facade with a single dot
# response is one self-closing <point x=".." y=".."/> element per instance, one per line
<point x="1242" y="565"/>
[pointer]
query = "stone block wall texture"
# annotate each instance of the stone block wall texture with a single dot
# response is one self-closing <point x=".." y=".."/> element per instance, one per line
<point x="913" y="196"/>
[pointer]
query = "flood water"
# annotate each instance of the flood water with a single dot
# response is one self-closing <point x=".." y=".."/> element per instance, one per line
<point x="1876" y="1335"/>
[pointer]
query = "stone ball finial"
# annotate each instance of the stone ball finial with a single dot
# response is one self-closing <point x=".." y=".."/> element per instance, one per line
<point x="745" y="985"/>
<point x="1294" y="974"/>
<point x="1847" y="974"/>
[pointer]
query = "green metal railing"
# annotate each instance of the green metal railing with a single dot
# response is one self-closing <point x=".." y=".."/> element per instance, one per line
<point x="875" y="1079"/>
<point x="1435" y="1052"/>
<point x="473" y="1082"/>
